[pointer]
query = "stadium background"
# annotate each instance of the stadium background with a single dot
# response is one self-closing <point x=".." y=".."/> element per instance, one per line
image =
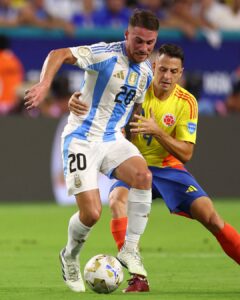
<point x="183" y="261"/>
<point x="27" y="142"/>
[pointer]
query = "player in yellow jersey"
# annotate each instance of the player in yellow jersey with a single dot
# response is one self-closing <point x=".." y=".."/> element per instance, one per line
<point x="176" y="116"/>
<point x="165" y="134"/>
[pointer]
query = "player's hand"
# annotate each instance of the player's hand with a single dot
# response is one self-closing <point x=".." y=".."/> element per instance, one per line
<point x="144" y="125"/>
<point x="35" y="95"/>
<point x="77" y="106"/>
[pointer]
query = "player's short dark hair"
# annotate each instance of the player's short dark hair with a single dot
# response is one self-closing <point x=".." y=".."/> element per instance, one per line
<point x="145" y="19"/>
<point x="172" y="50"/>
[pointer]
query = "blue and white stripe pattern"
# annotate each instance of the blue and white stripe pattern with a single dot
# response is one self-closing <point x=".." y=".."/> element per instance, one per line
<point x="111" y="86"/>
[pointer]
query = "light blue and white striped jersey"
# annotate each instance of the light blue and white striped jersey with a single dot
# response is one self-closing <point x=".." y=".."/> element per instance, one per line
<point x="111" y="86"/>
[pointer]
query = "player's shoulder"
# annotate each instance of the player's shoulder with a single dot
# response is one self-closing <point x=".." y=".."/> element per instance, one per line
<point x="187" y="101"/>
<point x="183" y="94"/>
<point x="102" y="47"/>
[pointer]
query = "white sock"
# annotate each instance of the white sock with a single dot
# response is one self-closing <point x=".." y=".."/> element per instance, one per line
<point x="139" y="206"/>
<point x="77" y="235"/>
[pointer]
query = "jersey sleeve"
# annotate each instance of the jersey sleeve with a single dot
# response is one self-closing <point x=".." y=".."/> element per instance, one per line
<point x="89" y="55"/>
<point x="186" y="129"/>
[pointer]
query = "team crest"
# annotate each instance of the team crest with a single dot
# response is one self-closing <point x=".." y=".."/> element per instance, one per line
<point x="168" y="120"/>
<point x="132" y="78"/>
<point x="77" y="181"/>
<point x="143" y="82"/>
<point x="84" y="51"/>
<point x="192" y="127"/>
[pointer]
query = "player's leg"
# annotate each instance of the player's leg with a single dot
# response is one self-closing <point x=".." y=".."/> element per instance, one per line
<point x="79" y="166"/>
<point x="135" y="173"/>
<point x="184" y="196"/>
<point x="118" y="198"/>
<point x="202" y="209"/>
<point x="131" y="168"/>
<point x="138" y="211"/>
<point x="80" y="223"/>
<point x="78" y="230"/>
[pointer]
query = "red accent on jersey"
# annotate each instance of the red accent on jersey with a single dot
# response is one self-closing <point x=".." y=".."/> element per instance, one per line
<point x="170" y="161"/>
<point x="190" y="100"/>
<point x="181" y="213"/>
<point x="179" y="167"/>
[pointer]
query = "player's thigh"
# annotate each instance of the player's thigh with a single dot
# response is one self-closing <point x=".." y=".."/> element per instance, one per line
<point x="81" y="161"/>
<point x="178" y="188"/>
<point x="133" y="171"/>
<point x="122" y="160"/>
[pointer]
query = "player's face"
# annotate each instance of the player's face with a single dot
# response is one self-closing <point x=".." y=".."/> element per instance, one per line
<point x="167" y="72"/>
<point x="140" y="43"/>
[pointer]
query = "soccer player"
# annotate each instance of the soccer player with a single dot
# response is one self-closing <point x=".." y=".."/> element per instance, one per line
<point x="116" y="78"/>
<point x="165" y="134"/>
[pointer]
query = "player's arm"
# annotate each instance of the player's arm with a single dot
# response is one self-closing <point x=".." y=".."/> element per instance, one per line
<point x="180" y="149"/>
<point x="36" y="94"/>
<point x="137" y="109"/>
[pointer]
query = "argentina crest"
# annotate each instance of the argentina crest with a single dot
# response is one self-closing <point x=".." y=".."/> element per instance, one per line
<point x="133" y="78"/>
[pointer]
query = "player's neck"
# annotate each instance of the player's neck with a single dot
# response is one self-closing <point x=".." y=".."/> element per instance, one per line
<point x="161" y="94"/>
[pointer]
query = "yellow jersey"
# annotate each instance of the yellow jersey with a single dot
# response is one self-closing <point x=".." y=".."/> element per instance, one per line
<point x="177" y="115"/>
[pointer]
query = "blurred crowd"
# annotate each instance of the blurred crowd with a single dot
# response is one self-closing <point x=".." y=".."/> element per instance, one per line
<point x="187" y="16"/>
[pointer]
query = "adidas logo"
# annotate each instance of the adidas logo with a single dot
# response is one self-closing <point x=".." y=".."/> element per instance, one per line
<point x="119" y="74"/>
<point x="191" y="188"/>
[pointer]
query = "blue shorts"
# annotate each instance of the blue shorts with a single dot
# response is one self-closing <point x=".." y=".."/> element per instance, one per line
<point x="177" y="187"/>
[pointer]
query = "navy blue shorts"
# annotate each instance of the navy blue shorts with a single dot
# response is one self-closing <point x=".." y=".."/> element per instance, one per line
<point x="177" y="187"/>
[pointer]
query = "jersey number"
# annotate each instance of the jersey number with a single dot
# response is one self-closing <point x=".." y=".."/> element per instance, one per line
<point x="148" y="138"/>
<point x="125" y="96"/>
<point x="77" y="161"/>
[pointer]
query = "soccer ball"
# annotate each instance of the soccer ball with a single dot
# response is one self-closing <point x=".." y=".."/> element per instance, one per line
<point x="103" y="273"/>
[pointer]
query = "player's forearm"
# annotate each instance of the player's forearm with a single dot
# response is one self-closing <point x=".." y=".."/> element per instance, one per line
<point x="179" y="149"/>
<point x="53" y="62"/>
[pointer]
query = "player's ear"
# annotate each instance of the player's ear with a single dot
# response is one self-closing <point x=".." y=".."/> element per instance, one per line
<point x="126" y="34"/>
<point x="181" y="72"/>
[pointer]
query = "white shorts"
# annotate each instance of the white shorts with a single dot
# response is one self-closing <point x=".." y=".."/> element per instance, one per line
<point x="83" y="160"/>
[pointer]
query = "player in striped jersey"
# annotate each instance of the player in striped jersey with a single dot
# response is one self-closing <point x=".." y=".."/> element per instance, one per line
<point x="116" y="78"/>
<point x="165" y="135"/>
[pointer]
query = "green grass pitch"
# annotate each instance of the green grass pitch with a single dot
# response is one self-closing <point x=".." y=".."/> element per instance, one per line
<point x="183" y="260"/>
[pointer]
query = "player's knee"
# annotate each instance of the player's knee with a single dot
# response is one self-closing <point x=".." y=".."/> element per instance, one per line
<point x="213" y="222"/>
<point x="143" y="180"/>
<point x="95" y="215"/>
<point x="91" y="216"/>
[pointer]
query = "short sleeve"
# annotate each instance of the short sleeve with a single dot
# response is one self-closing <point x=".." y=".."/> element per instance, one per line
<point x="186" y="129"/>
<point x="87" y="56"/>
